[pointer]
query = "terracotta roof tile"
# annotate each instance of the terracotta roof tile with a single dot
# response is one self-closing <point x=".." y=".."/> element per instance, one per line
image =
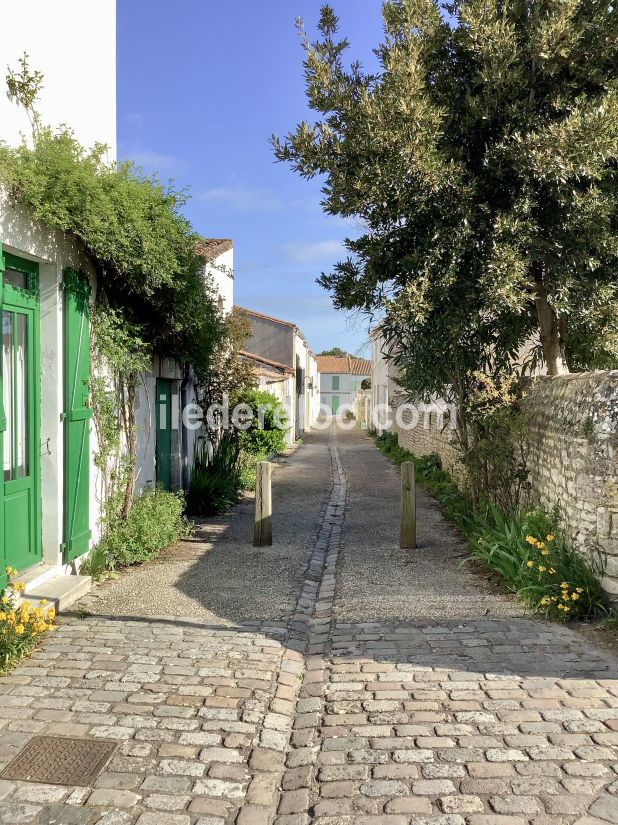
<point x="344" y="365"/>
<point x="211" y="248"/>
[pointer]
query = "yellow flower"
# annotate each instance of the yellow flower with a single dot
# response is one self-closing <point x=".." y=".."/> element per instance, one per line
<point x="43" y="602"/>
<point x="541" y="568"/>
<point x="580" y="589"/>
<point x="531" y="540"/>
<point x="552" y="571"/>
<point x="550" y="537"/>
<point x="19" y="629"/>
<point x="51" y="613"/>
<point x="50" y="627"/>
<point x="10" y="571"/>
<point x="530" y="564"/>
<point x="25" y="617"/>
<point x="545" y="552"/>
<point x="11" y="617"/>
<point x="564" y="584"/>
<point x="575" y="596"/>
<point x="5" y="600"/>
<point x="2" y="615"/>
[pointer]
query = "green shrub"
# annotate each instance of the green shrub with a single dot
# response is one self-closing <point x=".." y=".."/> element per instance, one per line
<point x="216" y="480"/>
<point x="155" y="521"/>
<point x="269" y="439"/>
<point x="538" y="563"/>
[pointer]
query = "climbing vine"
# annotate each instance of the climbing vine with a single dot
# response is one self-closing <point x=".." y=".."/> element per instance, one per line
<point x="151" y="294"/>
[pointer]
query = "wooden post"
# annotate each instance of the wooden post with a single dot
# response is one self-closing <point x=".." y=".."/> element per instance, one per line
<point x="407" y="535"/>
<point x="262" y="528"/>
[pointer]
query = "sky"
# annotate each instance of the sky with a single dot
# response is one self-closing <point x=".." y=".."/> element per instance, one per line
<point x="202" y="84"/>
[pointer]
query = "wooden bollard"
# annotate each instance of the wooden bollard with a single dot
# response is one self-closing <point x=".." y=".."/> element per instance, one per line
<point x="263" y="527"/>
<point x="407" y="534"/>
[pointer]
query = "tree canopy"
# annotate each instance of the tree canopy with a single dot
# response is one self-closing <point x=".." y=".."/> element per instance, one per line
<point x="335" y="351"/>
<point x="482" y="160"/>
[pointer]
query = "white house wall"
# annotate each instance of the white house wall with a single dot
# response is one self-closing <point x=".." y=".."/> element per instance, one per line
<point x="221" y="275"/>
<point x="73" y="43"/>
<point x="348" y="387"/>
<point x="53" y="251"/>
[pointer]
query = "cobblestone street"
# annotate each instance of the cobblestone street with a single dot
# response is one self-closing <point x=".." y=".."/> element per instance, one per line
<point x="334" y="679"/>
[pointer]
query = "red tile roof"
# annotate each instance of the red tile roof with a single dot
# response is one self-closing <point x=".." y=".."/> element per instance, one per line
<point x="344" y="365"/>
<point x="266" y="317"/>
<point x="267" y="362"/>
<point x="211" y="248"/>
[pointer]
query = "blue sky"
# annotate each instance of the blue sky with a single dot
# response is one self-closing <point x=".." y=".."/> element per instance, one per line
<point x="201" y="86"/>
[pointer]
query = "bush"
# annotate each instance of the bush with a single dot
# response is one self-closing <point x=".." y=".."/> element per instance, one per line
<point x="270" y="438"/>
<point x="20" y="626"/>
<point x="216" y="480"/>
<point x="536" y="561"/>
<point x="155" y="521"/>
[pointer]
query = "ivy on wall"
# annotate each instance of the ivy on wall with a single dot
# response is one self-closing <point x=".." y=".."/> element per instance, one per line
<point x="151" y="294"/>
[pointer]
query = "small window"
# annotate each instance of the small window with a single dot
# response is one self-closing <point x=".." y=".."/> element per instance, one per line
<point x="15" y="278"/>
<point x="335" y="385"/>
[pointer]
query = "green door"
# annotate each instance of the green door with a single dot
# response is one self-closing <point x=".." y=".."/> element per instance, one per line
<point x="335" y="404"/>
<point x="77" y="414"/>
<point x="163" y="419"/>
<point x="20" y="503"/>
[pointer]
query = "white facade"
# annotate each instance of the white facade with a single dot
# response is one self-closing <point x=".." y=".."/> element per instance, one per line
<point x="52" y="251"/>
<point x="73" y="43"/>
<point x="380" y="383"/>
<point x="220" y="272"/>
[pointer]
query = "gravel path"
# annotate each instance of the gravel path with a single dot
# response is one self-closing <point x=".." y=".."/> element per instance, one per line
<point x="379" y="581"/>
<point x="217" y="574"/>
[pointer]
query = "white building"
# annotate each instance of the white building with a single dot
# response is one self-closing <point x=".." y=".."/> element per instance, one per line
<point x="51" y="493"/>
<point x="340" y="379"/>
<point x="282" y="343"/>
<point x="49" y="511"/>
<point x="383" y="383"/>
<point x="73" y="43"/>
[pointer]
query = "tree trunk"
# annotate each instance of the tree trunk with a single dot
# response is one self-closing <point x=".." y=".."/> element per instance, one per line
<point x="129" y="421"/>
<point x="552" y="328"/>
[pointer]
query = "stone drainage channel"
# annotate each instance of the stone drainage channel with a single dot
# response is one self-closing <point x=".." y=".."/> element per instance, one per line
<point x="309" y="634"/>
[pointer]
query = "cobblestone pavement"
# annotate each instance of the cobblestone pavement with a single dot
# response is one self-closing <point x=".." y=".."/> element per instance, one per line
<point x="317" y="712"/>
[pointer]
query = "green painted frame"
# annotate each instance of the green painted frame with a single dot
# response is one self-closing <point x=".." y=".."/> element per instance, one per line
<point x="77" y="415"/>
<point x="25" y="301"/>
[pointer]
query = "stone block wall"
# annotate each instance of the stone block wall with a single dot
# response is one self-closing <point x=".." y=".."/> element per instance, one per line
<point x="572" y="456"/>
<point x="430" y="435"/>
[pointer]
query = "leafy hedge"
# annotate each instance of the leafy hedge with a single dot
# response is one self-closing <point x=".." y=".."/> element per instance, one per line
<point x="154" y="522"/>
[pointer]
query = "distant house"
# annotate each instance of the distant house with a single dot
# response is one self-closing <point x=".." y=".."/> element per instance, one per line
<point x="340" y="379"/>
<point x="280" y="344"/>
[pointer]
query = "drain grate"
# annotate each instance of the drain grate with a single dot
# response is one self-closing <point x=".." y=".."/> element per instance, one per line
<point x="59" y="760"/>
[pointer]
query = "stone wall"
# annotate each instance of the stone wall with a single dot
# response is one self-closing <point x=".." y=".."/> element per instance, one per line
<point x="572" y="456"/>
<point x="432" y="434"/>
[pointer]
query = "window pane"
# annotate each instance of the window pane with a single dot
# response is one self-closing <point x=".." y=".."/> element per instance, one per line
<point x="13" y="277"/>
<point x="21" y="398"/>
<point x="335" y="382"/>
<point x="7" y="392"/>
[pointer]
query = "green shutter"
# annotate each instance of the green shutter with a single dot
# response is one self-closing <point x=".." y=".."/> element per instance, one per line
<point x="76" y="414"/>
<point x="163" y="419"/>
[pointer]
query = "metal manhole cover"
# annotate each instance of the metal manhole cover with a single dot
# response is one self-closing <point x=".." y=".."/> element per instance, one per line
<point x="59" y="760"/>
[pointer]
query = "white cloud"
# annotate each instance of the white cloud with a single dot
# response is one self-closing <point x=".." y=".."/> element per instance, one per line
<point x="242" y="199"/>
<point x="154" y="161"/>
<point x="313" y="253"/>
